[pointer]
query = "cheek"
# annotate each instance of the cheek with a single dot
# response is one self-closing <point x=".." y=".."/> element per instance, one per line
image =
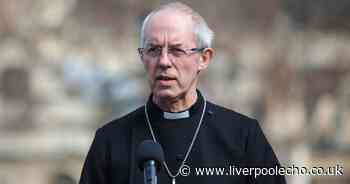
<point x="189" y="72"/>
<point x="150" y="68"/>
<point x="192" y="68"/>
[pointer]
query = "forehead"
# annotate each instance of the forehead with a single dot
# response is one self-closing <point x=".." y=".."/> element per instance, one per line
<point x="169" y="27"/>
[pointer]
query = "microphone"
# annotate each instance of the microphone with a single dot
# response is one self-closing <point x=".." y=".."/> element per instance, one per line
<point x="150" y="157"/>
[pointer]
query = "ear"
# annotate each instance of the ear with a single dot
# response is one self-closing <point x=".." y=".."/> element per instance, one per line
<point x="205" y="58"/>
<point x="140" y="54"/>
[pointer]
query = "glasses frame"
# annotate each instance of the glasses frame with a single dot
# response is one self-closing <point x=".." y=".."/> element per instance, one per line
<point x="186" y="52"/>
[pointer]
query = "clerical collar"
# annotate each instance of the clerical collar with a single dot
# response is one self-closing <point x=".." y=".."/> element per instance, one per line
<point x="176" y="115"/>
<point x="156" y="112"/>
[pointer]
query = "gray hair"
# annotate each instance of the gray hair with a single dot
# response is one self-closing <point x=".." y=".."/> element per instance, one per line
<point x="204" y="35"/>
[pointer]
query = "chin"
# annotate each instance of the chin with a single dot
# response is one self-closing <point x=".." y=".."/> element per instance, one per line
<point x="165" y="93"/>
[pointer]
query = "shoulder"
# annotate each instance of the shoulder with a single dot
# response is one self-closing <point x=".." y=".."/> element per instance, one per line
<point x="230" y="116"/>
<point x="124" y="123"/>
<point x="232" y="128"/>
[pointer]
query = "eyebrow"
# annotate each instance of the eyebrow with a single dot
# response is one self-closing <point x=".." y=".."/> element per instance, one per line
<point x="170" y="45"/>
<point x="152" y="45"/>
<point x="175" y="45"/>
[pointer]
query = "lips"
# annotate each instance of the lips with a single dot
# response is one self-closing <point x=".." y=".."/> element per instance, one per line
<point x="165" y="78"/>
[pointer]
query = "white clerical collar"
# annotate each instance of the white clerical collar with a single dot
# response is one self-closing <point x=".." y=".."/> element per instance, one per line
<point x="176" y="115"/>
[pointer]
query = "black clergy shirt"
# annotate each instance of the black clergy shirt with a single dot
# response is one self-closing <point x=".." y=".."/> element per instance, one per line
<point x="226" y="139"/>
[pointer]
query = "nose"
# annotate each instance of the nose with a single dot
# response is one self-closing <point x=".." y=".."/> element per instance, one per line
<point x="164" y="60"/>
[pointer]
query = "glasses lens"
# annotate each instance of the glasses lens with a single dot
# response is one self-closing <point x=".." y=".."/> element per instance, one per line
<point x="176" y="52"/>
<point x="173" y="52"/>
<point x="153" y="51"/>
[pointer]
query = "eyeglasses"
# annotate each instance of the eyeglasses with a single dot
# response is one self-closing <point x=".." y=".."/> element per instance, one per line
<point x="173" y="52"/>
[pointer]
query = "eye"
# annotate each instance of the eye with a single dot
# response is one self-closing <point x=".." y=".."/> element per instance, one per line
<point x="153" y="51"/>
<point x="176" y="51"/>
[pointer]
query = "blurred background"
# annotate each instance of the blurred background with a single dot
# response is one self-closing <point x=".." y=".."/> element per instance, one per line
<point x="69" y="66"/>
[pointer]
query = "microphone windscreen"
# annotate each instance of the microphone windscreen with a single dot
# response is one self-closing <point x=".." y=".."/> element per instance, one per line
<point x="149" y="150"/>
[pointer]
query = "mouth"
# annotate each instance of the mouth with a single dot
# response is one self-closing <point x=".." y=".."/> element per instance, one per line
<point x="165" y="80"/>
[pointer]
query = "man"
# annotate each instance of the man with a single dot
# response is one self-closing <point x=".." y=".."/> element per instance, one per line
<point x="175" y="48"/>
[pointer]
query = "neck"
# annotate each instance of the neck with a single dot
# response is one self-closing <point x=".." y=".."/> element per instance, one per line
<point x="176" y="104"/>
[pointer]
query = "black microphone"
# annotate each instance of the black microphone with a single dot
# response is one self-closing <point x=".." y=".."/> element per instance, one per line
<point x="150" y="157"/>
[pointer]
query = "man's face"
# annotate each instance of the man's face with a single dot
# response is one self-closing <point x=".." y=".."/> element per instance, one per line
<point x="171" y="76"/>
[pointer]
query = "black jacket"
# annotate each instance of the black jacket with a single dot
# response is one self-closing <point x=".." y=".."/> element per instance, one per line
<point x="226" y="139"/>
